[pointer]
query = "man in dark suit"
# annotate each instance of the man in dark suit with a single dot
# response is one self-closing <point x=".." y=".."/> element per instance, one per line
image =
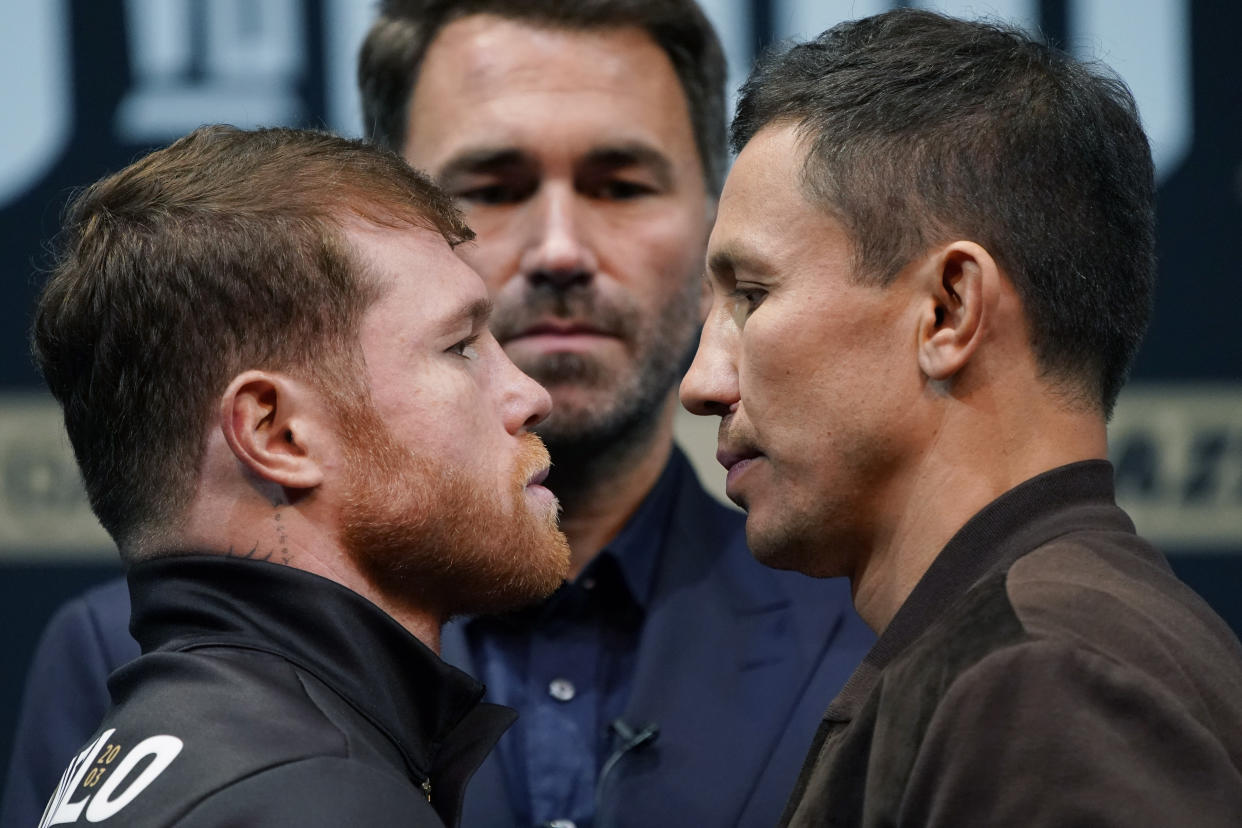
<point x="673" y="680"/>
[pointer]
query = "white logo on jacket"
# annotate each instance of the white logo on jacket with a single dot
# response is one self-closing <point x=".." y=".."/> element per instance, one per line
<point x="107" y="789"/>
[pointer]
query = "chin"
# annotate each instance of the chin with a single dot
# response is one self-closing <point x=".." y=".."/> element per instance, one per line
<point x="770" y="548"/>
<point x="793" y="548"/>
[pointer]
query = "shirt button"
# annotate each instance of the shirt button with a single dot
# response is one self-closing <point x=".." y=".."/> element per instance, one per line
<point x="562" y="690"/>
<point x="562" y="823"/>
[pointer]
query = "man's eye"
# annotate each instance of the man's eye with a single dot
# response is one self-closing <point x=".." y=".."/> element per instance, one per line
<point x="744" y="300"/>
<point x="494" y="194"/>
<point x="619" y="190"/>
<point x="750" y="297"/>
<point x="465" y="348"/>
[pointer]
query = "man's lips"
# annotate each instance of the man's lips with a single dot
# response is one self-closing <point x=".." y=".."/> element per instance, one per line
<point x="551" y="338"/>
<point x="558" y="329"/>
<point x="536" y="493"/>
<point x="735" y="461"/>
<point x="731" y="457"/>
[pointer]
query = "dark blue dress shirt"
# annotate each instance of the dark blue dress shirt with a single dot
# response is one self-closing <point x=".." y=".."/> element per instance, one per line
<point x="568" y="665"/>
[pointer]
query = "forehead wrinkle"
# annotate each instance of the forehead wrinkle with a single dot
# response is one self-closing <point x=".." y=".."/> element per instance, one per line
<point x="486" y="66"/>
<point x="485" y="75"/>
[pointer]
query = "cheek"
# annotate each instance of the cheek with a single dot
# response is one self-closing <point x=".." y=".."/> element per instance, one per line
<point x="661" y="247"/>
<point x="472" y="444"/>
<point x="787" y="378"/>
<point x="448" y="415"/>
<point x="773" y="363"/>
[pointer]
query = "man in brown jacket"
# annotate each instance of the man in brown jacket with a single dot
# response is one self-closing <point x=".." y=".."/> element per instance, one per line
<point x="932" y="266"/>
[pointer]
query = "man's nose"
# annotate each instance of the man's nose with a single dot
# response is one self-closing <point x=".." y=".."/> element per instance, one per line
<point x="526" y="402"/>
<point x="710" y="387"/>
<point x="559" y="253"/>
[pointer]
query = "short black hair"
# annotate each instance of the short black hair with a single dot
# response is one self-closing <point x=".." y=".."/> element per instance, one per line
<point x="922" y="127"/>
<point x="394" y="49"/>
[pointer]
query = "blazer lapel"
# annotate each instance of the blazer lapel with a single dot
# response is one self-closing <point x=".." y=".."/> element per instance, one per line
<point x="721" y="660"/>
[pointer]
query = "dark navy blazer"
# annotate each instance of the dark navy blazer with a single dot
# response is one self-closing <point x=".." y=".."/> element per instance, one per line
<point x="736" y="665"/>
<point x="66" y="695"/>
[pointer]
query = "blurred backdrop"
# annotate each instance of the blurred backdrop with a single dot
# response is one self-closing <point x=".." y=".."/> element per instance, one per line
<point x="89" y="85"/>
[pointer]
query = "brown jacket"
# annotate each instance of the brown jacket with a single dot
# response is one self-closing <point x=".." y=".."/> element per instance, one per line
<point x="1049" y="669"/>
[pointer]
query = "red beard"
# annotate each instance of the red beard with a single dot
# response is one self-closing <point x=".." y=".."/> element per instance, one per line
<point x="430" y="538"/>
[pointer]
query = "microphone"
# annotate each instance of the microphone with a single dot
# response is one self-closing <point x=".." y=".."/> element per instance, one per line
<point x="632" y="738"/>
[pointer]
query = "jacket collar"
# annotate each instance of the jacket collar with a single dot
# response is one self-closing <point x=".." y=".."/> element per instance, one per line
<point x="390" y="677"/>
<point x="1066" y="499"/>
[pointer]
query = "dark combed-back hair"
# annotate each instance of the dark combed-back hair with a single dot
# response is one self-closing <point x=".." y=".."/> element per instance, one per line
<point x="394" y="49"/>
<point x="220" y="253"/>
<point x="921" y="128"/>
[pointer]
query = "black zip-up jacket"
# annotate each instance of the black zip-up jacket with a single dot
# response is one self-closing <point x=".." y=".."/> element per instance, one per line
<point x="268" y="696"/>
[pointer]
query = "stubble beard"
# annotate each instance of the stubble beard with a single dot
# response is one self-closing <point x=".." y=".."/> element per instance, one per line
<point x="430" y="539"/>
<point x="829" y="530"/>
<point x="603" y="416"/>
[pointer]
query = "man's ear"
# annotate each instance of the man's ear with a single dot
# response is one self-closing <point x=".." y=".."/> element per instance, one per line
<point x="271" y="422"/>
<point x="960" y="284"/>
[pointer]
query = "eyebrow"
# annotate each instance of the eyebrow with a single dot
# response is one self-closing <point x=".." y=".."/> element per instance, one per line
<point x="476" y="313"/>
<point x="483" y="160"/>
<point x="633" y="154"/>
<point x="731" y="259"/>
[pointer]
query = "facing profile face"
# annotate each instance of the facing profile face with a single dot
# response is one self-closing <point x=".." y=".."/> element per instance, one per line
<point x="813" y="373"/>
<point x="443" y="506"/>
<point x="573" y="158"/>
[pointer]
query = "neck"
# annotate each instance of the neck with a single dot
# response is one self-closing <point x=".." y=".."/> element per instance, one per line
<point x="600" y="486"/>
<point x="976" y="457"/>
<point x="233" y="515"/>
<point x="422" y="625"/>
